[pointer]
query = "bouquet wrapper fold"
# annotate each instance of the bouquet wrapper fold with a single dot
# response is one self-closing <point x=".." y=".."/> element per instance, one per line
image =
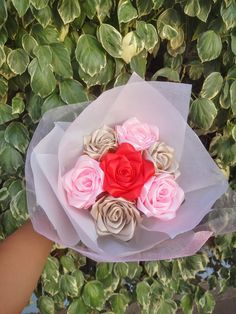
<point x="58" y="142"/>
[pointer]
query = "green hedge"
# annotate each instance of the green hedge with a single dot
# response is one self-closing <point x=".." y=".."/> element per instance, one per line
<point x="61" y="52"/>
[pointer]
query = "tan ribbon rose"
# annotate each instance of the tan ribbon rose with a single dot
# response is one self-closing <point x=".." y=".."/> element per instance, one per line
<point x="115" y="216"/>
<point x="162" y="156"/>
<point x="99" y="142"/>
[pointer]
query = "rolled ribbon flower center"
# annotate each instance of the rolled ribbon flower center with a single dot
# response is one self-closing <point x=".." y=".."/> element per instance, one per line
<point x="125" y="172"/>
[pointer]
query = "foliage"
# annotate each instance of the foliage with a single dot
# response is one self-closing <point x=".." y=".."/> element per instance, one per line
<point x="61" y="52"/>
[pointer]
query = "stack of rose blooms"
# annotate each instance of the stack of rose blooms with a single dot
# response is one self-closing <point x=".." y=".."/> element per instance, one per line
<point x="123" y="174"/>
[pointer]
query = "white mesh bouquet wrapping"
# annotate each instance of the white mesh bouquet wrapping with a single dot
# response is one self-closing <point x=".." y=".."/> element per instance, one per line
<point x="69" y="134"/>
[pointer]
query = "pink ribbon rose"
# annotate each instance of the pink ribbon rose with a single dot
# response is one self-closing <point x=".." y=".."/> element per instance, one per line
<point x="140" y="135"/>
<point x="83" y="183"/>
<point x="160" y="197"/>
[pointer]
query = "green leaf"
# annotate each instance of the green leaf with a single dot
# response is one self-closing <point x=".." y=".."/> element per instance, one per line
<point x="168" y="24"/>
<point x="3" y="36"/>
<point x="21" y="6"/>
<point x="103" y="8"/>
<point x="121" y="79"/>
<point x="46" y="305"/>
<point x="134" y="270"/>
<point x="34" y="107"/>
<point x="10" y="160"/>
<point x="132" y="45"/>
<point x="233" y="42"/>
<point x="18" y="61"/>
<point x="99" y="7"/>
<point x="93" y="294"/>
<point x="205" y="9"/>
<point x="3" y="87"/>
<point x="170" y="74"/>
<point x="79" y="277"/>
<point x="119" y="303"/>
<point x="51" y="102"/>
<point x="203" y="113"/>
<point x="8" y="222"/>
<point x="18" y="207"/>
<point x="42" y="81"/>
<point x="148" y="34"/>
<point x="102" y="78"/>
<point x="6" y="114"/>
<point x="143" y="292"/>
<point x="69" y="10"/>
<point x="110" y="39"/>
<point x="44" y="55"/>
<point x="209" y="46"/>
<point x="196" y="70"/>
<point x="233" y="96"/>
<point x="151" y="268"/>
<point x="39" y="4"/>
<point x="68" y="285"/>
<point x="126" y="12"/>
<point x="51" y="270"/>
<point x="228" y="15"/>
<point x="2" y="56"/>
<point x="225" y="96"/>
<point x="110" y="284"/>
<point x="89" y="7"/>
<point x="61" y="61"/>
<point x="187" y="304"/>
<point x="189" y="266"/>
<point x="207" y="302"/>
<point x="192" y="7"/>
<point x="18" y="105"/>
<point x="45" y="36"/>
<point x="138" y="63"/>
<point x="17" y="135"/>
<point x="3" y="194"/>
<point x="15" y="187"/>
<point x="167" y="306"/>
<point x="144" y="7"/>
<point x="121" y="270"/>
<point x="212" y="85"/>
<point x="43" y="16"/>
<point x="67" y="263"/>
<point x="51" y="287"/>
<point x="103" y="270"/>
<point x="78" y="306"/>
<point x="177" y="41"/>
<point x="3" y="12"/>
<point x="225" y="148"/>
<point x="234" y="133"/>
<point x="72" y="92"/>
<point x="157" y="4"/>
<point x="90" y="55"/>
<point x="29" y="43"/>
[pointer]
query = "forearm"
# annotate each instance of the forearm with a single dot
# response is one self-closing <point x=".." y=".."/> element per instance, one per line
<point x="22" y="258"/>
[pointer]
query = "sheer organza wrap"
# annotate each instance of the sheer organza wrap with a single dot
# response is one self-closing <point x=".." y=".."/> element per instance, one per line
<point x="58" y="141"/>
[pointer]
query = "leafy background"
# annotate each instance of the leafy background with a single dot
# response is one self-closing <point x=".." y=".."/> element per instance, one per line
<point x="54" y="53"/>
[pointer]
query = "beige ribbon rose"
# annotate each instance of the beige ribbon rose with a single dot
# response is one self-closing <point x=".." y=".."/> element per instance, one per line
<point x="162" y="156"/>
<point x="115" y="216"/>
<point x="100" y="142"/>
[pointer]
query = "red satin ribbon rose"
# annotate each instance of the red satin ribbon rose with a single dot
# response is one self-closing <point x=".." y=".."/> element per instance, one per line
<point x="125" y="172"/>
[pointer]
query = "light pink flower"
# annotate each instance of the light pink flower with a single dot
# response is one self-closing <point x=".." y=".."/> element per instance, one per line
<point x="160" y="197"/>
<point x="140" y="135"/>
<point x="83" y="183"/>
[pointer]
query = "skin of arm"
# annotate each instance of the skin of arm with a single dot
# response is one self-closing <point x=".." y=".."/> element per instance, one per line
<point x="22" y="258"/>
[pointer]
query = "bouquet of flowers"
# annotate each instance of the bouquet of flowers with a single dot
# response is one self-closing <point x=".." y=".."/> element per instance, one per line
<point x="123" y="174"/>
<point x="124" y="177"/>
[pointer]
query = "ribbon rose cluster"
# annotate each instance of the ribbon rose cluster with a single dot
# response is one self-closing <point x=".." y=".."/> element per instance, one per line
<point x="124" y="173"/>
